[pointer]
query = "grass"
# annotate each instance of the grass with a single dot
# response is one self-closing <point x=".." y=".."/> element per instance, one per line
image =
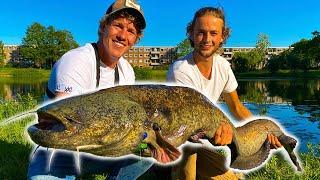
<point x="144" y="74"/>
<point x="24" y="73"/>
<point x="150" y="74"/>
<point x="15" y="150"/>
<point x="278" y="168"/>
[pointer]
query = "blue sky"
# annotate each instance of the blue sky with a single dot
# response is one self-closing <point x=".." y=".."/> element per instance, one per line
<point x="284" y="21"/>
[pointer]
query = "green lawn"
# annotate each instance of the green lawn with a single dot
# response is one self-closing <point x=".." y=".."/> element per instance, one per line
<point x="24" y="73"/>
<point x="143" y="74"/>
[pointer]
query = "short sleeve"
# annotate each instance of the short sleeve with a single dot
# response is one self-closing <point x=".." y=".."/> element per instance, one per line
<point x="71" y="74"/>
<point x="174" y="75"/>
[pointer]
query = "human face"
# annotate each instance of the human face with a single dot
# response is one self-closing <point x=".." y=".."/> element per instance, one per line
<point x="207" y="35"/>
<point x="118" y="37"/>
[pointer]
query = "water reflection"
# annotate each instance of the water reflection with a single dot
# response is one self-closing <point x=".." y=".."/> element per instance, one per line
<point x="9" y="88"/>
<point x="303" y="95"/>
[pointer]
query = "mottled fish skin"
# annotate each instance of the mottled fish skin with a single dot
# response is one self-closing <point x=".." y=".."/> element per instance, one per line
<point x="111" y="122"/>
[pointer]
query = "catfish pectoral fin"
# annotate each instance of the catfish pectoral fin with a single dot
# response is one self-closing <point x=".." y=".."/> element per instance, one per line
<point x="249" y="162"/>
<point x="171" y="151"/>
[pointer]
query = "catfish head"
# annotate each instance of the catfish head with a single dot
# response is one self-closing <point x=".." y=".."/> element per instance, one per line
<point x="103" y="124"/>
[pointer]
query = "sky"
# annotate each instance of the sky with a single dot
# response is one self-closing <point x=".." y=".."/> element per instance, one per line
<point x="284" y="21"/>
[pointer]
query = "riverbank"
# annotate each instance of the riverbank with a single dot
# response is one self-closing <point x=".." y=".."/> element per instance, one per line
<point x="24" y="73"/>
<point x="160" y="75"/>
<point x="282" y="74"/>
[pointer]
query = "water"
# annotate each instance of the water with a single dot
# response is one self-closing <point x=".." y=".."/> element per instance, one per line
<point x="293" y="103"/>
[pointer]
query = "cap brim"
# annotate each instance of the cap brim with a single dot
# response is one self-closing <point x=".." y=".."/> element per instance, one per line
<point x="134" y="12"/>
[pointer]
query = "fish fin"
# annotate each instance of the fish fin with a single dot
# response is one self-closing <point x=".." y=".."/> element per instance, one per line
<point x="172" y="151"/>
<point x="289" y="144"/>
<point x="253" y="161"/>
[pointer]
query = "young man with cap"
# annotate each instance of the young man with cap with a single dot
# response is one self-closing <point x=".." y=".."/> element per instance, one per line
<point x="205" y="70"/>
<point x="95" y="65"/>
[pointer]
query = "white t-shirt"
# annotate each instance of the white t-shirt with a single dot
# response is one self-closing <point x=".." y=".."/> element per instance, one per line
<point x="75" y="72"/>
<point x="185" y="72"/>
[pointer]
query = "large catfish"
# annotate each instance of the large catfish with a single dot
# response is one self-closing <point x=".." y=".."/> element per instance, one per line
<point x="149" y="119"/>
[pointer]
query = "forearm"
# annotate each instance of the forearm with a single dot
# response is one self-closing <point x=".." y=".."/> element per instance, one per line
<point x="240" y="112"/>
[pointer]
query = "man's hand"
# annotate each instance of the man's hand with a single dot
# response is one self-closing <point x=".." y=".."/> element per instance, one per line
<point x="223" y="135"/>
<point x="274" y="141"/>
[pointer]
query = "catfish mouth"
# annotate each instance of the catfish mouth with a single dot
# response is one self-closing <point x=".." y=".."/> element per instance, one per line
<point x="49" y="122"/>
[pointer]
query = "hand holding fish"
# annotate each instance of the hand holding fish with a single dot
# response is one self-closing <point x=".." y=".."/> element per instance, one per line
<point x="223" y="134"/>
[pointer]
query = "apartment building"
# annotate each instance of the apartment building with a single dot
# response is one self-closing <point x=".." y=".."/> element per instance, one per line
<point x="229" y="51"/>
<point x="11" y="53"/>
<point x="149" y="56"/>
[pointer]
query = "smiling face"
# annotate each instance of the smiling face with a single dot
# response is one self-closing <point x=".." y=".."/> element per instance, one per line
<point x="207" y="35"/>
<point x="116" y="38"/>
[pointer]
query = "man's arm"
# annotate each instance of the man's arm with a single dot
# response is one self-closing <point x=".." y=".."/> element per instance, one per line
<point x="241" y="113"/>
<point x="61" y="94"/>
<point x="237" y="109"/>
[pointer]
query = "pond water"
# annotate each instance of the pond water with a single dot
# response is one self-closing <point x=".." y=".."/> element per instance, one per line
<point x="295" y="104"/>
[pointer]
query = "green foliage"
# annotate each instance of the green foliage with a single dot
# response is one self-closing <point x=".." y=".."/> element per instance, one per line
<point x="262" y="43"/>
<point x="247" y="61"/>
<point x="183" y="48"/>
<point x="303" y="55"/>
<point x="254" y="59"/>
<point x="275" y="63"/>
<point x="42" y="46"/>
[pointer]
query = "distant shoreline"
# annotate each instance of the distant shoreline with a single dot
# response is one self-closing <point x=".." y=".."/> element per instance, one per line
<point x="149" y="74"/>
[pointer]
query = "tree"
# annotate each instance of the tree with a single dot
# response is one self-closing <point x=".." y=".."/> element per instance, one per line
<point x="2" y="55"/>
<point x="262" y="43"/>
<point x="43" y="46"/>
<point x="183" y="48"/>
<point x="315" y="34"/>
<point x="261" y="49"/>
